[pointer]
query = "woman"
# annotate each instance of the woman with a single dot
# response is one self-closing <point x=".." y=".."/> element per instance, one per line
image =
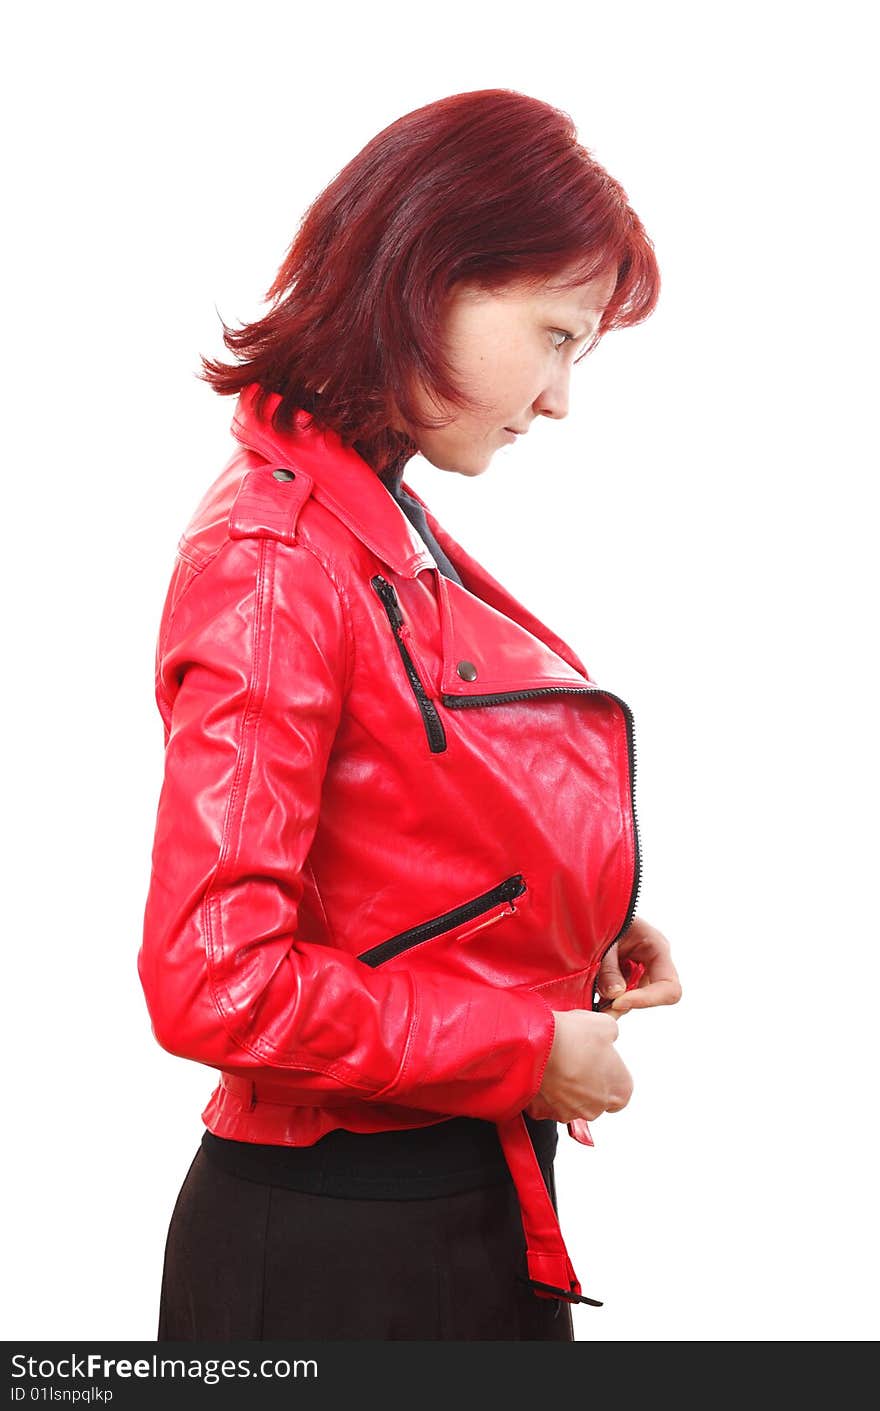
<point x="396" y="860"/>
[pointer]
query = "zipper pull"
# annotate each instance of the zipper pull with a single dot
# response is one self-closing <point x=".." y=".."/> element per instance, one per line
<point x="580" y="1131"/>
<point x="389" y="597"/>
<point x="509" y="910"/>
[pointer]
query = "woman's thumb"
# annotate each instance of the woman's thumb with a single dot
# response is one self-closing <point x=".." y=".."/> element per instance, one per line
<point x="610" y="981"/>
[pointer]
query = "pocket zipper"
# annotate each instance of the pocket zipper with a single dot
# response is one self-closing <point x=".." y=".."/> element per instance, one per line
<point x="426" y="930"/>
<point x="431" y="720"/>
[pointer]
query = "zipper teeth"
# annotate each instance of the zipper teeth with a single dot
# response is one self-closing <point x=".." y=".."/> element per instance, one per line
<point x="462" y="702"/>
<point x="431" y="720"/>
<point x="505" y="891"/>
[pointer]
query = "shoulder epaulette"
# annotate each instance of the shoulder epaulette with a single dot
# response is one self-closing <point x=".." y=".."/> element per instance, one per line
<point x="268" y="502"/>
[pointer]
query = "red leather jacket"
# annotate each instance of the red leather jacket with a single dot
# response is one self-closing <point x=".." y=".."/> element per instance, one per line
<point x="396" y="827"/>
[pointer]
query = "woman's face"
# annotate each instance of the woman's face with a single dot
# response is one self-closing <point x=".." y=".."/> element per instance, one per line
<point x="512" y="350"/>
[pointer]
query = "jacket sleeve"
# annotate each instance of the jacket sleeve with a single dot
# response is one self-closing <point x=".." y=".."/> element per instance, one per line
<point x="252" y="669"/>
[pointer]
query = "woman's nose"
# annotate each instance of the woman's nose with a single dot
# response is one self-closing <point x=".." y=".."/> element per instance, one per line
<point x="553" y="401"/>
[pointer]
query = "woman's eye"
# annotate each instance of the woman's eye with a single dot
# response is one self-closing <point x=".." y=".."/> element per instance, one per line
<point x="560" y="333"/>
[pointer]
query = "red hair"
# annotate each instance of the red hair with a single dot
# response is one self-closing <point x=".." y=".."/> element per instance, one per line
<point x="490" y="187"/>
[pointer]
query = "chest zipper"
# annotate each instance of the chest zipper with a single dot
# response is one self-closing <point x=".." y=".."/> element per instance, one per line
<point x="431" y="720"/>
<point x="501" y="697"/>
<point x="468" y="911"/>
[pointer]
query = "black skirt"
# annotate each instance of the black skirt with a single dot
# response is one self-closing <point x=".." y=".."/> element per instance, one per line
<point x="254" y="1261"/>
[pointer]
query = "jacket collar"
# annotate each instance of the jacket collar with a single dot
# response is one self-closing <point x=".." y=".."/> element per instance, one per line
<point x="350" y="488"/>
<point x="341" y="480"/>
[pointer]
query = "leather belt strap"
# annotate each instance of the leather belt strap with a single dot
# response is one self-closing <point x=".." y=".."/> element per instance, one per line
<point x="551" y="1274"/>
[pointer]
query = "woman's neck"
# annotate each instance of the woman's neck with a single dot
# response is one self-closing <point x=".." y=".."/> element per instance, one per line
<point x="392" y="475"/>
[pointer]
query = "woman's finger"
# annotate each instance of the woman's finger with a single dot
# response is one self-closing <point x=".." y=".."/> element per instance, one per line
<point x="663" y="991"/>
<point x="610" y="980"/>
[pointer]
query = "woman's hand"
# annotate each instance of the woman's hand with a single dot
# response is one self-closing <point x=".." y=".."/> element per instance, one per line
<point x="659" y="983"/>
<point x="584" y="1075"/>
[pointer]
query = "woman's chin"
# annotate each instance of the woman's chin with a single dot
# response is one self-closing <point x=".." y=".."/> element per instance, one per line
<point x="468" y="462"/>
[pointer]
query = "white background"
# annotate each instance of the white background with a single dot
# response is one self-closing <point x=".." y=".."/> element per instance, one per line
<point x="699" y="529"/>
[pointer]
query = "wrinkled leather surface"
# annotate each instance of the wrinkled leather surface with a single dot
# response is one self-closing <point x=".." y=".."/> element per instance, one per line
<point x="303" y="817"/>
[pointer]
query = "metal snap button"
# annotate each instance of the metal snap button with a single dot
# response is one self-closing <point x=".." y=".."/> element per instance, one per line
<point x="467" y="671"/>
<point x="283" y="474"/>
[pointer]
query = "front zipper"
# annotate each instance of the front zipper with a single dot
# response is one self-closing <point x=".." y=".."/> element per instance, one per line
<point x="500" y="697"/>
<point x="431" y="720"/>
<point x="426" y="930"/>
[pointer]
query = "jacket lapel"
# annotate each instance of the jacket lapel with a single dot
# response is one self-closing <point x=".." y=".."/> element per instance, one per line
<point x="517" y="651"/>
